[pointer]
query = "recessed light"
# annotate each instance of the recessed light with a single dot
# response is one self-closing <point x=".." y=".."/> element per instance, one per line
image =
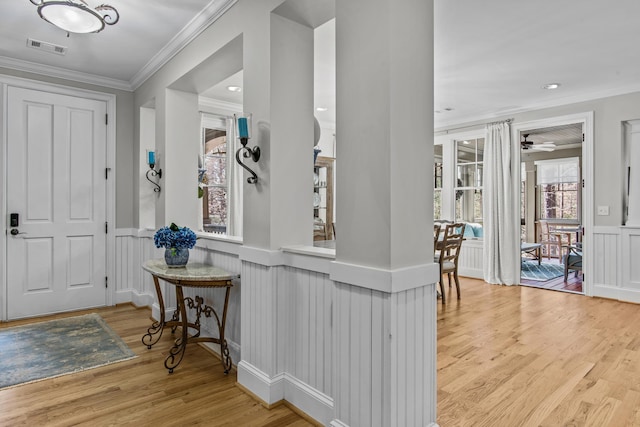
<point x="234" y="88"/>
<point x="551" y="86"/>
<point x="321" y="109"/>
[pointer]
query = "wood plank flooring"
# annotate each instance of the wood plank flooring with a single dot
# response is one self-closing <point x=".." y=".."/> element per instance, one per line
<point x="519" y="356"/>
<point x="507" y="356"/>
<point x="140" y="392"/>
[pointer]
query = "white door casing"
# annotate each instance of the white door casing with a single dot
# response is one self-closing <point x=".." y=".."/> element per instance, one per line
<point x="56" y="160"/>
<point x="587" y="173"/>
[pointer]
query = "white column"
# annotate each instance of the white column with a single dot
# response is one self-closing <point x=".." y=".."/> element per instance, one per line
<point x="385" y="331"/>
<point x="278" y="210"/>
<point x="178" y="148"/>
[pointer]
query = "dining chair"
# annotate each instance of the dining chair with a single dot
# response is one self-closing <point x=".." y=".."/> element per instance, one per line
<point x="320" y="232"/>
<point x="550" y="238"/>
<point x="449" y="248"/>
<point x="436" y="235"/>
<point x="572" y="259"/>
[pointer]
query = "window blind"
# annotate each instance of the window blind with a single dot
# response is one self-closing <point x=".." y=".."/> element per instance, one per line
<point x="557" y="171"/>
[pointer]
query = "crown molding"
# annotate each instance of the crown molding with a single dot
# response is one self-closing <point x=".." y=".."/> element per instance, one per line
<point x="218" y="104"/>
<point x="63" y="73"/>
<point x="207" y="16"/>
<point x="443" y="125"/>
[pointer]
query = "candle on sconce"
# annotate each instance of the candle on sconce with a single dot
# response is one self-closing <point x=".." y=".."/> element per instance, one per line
<point x="151" y="158"/>
<point x="243" y="129"/>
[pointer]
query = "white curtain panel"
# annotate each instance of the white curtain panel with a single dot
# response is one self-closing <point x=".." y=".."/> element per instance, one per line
<point x="502" y="253"/>
<point x="234" y="178"/>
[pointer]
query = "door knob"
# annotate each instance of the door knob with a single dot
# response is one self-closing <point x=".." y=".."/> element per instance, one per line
<point x="15" y="232"/>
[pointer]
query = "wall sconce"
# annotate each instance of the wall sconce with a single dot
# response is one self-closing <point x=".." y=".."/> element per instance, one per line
<point x="243" y="132"/>
<point x="151" y="161"/>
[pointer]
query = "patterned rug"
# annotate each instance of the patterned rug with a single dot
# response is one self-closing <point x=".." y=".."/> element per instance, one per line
<point x="58" y="347"/>
<point x="530" y="270"/>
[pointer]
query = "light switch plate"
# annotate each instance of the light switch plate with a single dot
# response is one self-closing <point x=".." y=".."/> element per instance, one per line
<point x="603" y="210"/>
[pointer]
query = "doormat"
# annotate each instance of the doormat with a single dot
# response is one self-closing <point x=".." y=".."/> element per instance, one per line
<point x="530" y="270"/>
<point x="58" y="347"/>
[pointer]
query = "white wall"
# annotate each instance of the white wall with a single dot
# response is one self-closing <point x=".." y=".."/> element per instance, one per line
<point x="609" y="115"/>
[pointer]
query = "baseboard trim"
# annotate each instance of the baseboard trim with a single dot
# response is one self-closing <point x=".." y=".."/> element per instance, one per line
<point x="284" y="388"/>
<point x="138" y="299"/>
<point x="316" y="404"/>
<point x="270" y="390"/>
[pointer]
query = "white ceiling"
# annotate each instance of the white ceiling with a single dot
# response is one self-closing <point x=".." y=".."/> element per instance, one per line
<point x="491" y="57"/>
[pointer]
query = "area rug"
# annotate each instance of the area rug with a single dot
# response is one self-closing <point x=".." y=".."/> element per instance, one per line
<point x="530" y="270"/>
<point x="63" y="346"/>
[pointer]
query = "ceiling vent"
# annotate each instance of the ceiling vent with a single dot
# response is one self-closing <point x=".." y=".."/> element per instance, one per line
<point x="47" y="47"/>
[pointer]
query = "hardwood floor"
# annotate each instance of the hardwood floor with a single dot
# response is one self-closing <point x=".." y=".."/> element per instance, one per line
<point x="140" y="392"/>
<point x="519" y="356"/>
<point x="507" y="356"/>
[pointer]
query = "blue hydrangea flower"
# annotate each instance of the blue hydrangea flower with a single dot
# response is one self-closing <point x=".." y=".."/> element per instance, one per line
<point x="174" y="237"/>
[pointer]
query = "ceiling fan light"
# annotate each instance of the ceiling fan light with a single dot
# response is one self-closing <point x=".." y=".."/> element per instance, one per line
<point x="75" y="16"/>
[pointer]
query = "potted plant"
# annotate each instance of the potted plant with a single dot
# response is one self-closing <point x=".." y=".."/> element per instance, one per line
<point x="177" y="241"/>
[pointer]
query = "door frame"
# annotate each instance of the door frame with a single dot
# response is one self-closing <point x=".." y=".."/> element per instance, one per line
<point x="587" y="173"/>
<point x="110" y="205"/>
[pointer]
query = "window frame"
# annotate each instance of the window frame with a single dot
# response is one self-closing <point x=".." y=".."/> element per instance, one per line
<point x="477" y="179"/>
<point x="449" y="171"/>
<point x="214" y="122"/>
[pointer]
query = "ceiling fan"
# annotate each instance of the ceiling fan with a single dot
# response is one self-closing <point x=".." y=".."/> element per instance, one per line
<point x="538" y="146"/>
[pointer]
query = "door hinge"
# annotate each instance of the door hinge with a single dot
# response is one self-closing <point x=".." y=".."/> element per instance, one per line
<point x="583" y="137"/>
<point x="106" y="173"/>
<point x="582" y="182"/>
<point x="106" y="227"/>
<point x="106" y="281"/>
<point x="106" y="119"/>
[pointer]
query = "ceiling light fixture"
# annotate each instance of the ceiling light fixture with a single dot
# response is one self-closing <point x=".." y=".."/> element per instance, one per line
<point x="551" y="86"/>
<point x="234" y="88"/>
<point x="321" y="109"/>
<point x="75" y="16"/>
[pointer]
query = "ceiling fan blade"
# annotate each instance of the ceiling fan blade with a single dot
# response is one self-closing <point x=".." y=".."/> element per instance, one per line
<point x="543" y="148"/>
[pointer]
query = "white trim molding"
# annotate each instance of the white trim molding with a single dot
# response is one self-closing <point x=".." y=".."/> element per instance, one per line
<point x="63" y="73"/>
<point x="265" y="257"/>
<point x="389" y="281"/>
<point x="586" y="118"/>
<point x="210" y="14"/>
<point x="270" y="390"/>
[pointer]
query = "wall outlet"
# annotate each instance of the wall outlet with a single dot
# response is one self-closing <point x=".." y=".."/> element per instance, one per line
<point x="603" y="210"/>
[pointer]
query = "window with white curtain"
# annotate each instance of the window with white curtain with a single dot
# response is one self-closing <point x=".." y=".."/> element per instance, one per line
<point x="437" y="181"/>
<point x="468" y="189"/>
<point x="558" y="183"/>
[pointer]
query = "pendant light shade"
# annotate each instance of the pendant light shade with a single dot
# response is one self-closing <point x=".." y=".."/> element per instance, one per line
<point x="75" y="16"/>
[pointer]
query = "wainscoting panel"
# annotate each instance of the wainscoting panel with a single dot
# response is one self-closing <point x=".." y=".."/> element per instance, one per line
<point x="606" y="266"/>
<point x="305" y="313"/>
<point x="259" y="317"/>
<point x="471" y="259"/>
<point x="371" y="388"/>
<point x="308" y="298"/>
<point x="413" y="376"/>
<point x="630" y="266"/>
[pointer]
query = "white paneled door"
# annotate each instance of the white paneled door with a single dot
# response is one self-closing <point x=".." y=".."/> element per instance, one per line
<point x="56" y="194"/>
